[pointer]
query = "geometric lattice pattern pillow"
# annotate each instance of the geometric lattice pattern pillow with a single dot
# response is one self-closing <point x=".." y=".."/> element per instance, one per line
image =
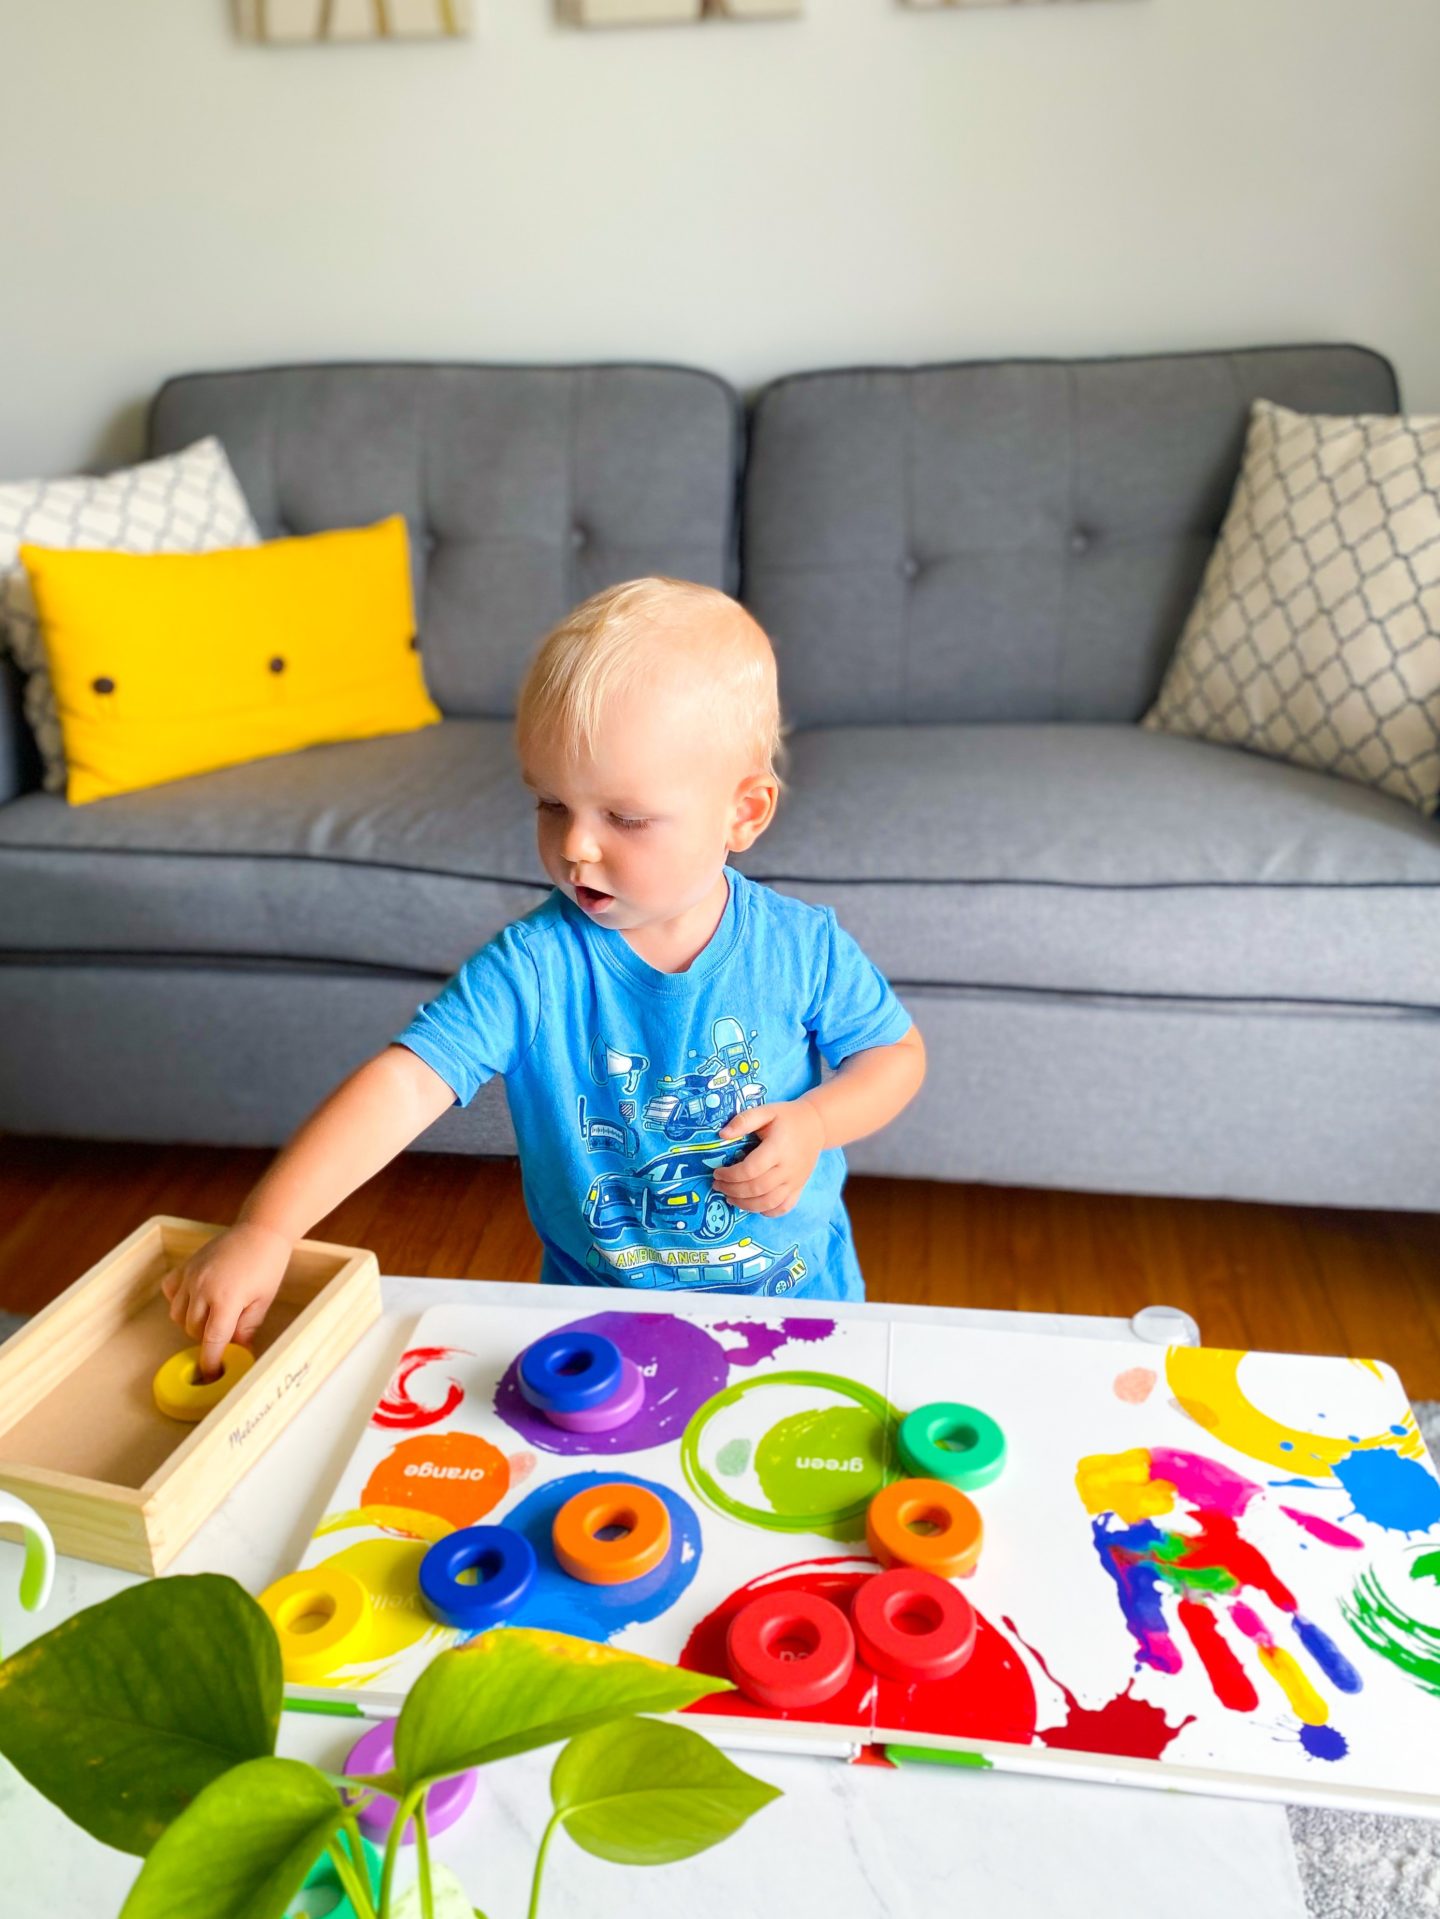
<point x="188" y="502"/>
<point x="1316" y="635"/>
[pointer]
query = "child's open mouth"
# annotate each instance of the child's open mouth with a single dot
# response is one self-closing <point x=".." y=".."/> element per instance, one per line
<point x="592" y="901"/>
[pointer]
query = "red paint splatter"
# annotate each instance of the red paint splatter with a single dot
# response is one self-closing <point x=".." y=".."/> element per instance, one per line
<point x="398" y="1410"/>
<point x="991" y="1697"/>
<point x="1224" y="1671"/>
<point x="1217" y="1543"/>
<point x="1123" y="1726"/>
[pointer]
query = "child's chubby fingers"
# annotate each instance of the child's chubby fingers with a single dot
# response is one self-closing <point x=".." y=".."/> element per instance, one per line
<point x="751" y="1176"/>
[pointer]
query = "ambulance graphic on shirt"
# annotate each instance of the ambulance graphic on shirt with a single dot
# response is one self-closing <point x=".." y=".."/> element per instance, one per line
<point x="636" y="1215"/>
<point x="619" y="1079"/>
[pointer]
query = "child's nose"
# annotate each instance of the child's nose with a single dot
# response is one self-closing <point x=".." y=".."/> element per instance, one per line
<point x="579" y="845"/>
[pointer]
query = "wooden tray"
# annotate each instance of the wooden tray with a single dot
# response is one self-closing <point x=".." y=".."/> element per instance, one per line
<point x="81" y="1438"/>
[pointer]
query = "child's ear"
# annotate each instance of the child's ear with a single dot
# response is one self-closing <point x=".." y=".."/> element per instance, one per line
<point x="753" y="810"/>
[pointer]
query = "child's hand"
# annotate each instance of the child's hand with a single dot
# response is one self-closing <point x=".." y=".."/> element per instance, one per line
<point x="772" y="1175"/>
<point x="224" y="1290"/>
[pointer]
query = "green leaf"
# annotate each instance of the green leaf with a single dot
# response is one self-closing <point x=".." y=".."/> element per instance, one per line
<point x="513" y="1689"/>
<point x="643" y="1794"/>
<point x="243" y="1849"/>
<point x="123" y="1714"/>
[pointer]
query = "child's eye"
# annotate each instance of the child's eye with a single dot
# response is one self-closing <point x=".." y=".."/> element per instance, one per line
<point x="548" y="806"/>
<point x="629" y="825"/>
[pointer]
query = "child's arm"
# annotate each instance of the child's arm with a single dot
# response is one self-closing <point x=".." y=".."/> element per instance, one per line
<point x="224" y="1290"/>
<point x="866" y="1093"/>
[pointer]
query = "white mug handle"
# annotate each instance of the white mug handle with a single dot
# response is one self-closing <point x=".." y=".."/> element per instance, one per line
<point x="37" y="1575"/>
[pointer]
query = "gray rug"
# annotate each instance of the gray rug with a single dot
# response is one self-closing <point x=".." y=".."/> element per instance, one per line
<point x="1353" y="1865"/>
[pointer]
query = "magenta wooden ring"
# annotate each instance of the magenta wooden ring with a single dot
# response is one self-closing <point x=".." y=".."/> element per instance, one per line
<point x="628" y="1398"/>
<point x="373" y="1752"/>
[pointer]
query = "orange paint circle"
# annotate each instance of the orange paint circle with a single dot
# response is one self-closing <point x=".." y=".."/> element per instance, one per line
<point x="456" y="1477"/>
<point x="645" y="1534"/>
<point x="951" y="1543"/>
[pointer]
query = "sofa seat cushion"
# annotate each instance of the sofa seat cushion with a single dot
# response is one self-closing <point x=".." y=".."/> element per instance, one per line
<point x="1104" y="859"/>
<point x="1065" y="858"/>
<point x="403" y="852"/>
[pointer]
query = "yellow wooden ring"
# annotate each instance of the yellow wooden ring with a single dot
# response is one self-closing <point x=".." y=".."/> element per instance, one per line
<point x="340" y="1607"/>
<point x="182" y="1394"/>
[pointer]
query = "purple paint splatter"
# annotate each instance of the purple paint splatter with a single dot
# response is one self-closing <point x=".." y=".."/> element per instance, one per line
<point x="763" y="1340"/>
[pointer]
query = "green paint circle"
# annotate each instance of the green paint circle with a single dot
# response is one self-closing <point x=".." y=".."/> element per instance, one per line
<point x="831" y="1520"/>
<point x="830" y="1454"/>
<point x="945" y="1440"/>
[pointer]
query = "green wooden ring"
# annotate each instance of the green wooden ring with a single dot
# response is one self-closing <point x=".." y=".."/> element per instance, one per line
<point x="323" y="1874"/>
<point x="947" y="1441"/>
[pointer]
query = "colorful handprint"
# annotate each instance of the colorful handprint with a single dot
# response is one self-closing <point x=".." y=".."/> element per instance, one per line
<point x="1213" y="1573"/>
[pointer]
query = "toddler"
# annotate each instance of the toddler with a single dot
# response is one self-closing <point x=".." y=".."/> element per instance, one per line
<point x="659" y="1020"/>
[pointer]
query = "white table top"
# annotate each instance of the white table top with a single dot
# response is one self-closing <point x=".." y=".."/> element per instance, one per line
<point x="853" y="1842"/>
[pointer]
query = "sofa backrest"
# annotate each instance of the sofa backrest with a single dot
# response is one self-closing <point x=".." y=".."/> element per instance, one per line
<point x="525" y="488"/>
<point x="1013" y="540"/>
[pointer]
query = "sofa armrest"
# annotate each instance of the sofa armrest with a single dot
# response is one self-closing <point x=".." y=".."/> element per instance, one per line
<point x="19" y="760"/>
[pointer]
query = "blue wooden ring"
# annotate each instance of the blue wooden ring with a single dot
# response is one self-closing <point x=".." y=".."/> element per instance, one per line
<point x="504" y="1565"/>
<point x="570" y="1372"/>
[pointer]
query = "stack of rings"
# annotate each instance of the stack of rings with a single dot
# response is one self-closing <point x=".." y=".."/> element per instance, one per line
<point x="790" y="1650"/>
<point x="320" y="1619"/>
<point x="181" y="1393"/>
<point x="503" y="1564"/>
<point x="949" y="1441"/>
<point x="950" y="1541"/>
<point x="581" y="1382"/>
<point x="912" y="1625"/>
<point x="638" y="1518"/>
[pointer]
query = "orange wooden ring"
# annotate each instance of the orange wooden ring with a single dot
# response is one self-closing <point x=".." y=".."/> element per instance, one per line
<point x="611" y="1562"/>
<point x="951" y="1550"/>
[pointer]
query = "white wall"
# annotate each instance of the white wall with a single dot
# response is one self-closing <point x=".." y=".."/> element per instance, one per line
<point x="864" y="183"/>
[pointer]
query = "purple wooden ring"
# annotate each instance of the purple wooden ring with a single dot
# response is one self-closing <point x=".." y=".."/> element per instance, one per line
<point x="628" y="1398"/>
<point x="374" y="1751"/>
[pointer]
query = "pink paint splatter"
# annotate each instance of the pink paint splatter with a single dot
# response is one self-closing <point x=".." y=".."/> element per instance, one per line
<point x="1124" y="1726"/>
<point x="1322" y="1530"/>
<point x="1135" y="1385"/>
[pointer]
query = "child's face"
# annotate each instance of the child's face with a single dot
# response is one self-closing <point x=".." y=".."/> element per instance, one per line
<point x="636" y="833"/>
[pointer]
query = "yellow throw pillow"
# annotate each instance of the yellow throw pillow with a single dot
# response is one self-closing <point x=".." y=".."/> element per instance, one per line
<point x="168" y="664"/>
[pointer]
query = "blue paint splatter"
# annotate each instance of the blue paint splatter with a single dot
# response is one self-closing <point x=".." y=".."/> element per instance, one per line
<point x="1327" y="1655"/>
<point x="1323" y="1742"/>
<point x="558" y="1603"/>
<point x="1389" y="1491"/>
<point x="1399" y="1431"/>
<point x="1287" y="1445"/>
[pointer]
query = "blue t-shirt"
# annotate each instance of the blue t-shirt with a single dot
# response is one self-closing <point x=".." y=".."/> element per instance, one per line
<point x="619" y="1078"/>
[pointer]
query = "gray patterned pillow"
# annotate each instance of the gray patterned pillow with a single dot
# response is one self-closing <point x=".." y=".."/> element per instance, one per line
<point x="188" y="502"/>
<point x="1316" y="636"/>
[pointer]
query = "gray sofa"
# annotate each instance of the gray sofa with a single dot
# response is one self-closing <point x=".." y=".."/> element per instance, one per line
<point x="1140" y="964"/>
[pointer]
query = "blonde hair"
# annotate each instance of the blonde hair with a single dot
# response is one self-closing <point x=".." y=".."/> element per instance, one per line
<point x="606" y="644"/>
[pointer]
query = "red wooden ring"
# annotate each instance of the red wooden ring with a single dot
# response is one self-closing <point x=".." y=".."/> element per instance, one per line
<point x="790" y="1650"/>
<point x="912" y="1625"/>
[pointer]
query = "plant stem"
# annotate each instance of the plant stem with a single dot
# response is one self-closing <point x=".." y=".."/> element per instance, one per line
<point x="534" y="1912"/>
<point x="422" y="1855"/>
<point x="392" y="1846"/>
<point x="356" y="1890"/>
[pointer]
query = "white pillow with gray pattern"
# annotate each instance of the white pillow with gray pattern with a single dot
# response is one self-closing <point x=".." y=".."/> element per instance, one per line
<point x="1316" y="636"/>
<point x="187" y="502"/>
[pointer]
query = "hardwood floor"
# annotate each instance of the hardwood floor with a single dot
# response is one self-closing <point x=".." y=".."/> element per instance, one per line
<point x="1290" y="1278"/>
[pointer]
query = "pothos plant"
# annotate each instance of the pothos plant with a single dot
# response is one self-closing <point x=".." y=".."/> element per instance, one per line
<point x="150" y="1720"/>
